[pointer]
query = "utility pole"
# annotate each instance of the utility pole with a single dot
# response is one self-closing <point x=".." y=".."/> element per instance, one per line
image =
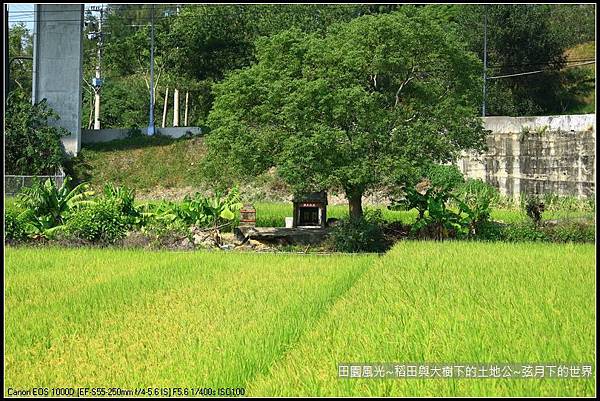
<point x="168" y="13"/>
<point x="98" y="80"/>
<point x="6" y="54"/>
<point x="151" y="122"/>
<point x="484" y="58"/>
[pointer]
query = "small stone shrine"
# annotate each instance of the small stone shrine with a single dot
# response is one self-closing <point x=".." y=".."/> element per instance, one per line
<point x="310" y="210"/>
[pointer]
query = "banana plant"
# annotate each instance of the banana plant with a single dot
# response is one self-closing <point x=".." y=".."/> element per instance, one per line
<point x="222" y="207"/>
<point x="48" y="206"/>
<point x="210" y="213"/>
<point x="125" y="198"/>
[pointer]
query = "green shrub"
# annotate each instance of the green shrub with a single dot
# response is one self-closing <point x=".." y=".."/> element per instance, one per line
<point x="15" y="225"/>
<point x="474" y="199"/>
<point x="522" y="232"/>
<point x="101" y="221"/>
<point x="49" y="206"/>
<point x="490" y="231"/>
<point x="436" y="220"/>
<point x="358" y="235"/>
<point x="124" y="197"/>
<point x="571" y="232"/>
<point x="217" y="212"/>
<point x="31" y="146"/>
<point x="439" y="179"/>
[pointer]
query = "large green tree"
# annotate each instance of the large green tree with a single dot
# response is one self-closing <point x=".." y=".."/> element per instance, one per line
<point x="205" y="42"/>
<point x="363" y="107"/>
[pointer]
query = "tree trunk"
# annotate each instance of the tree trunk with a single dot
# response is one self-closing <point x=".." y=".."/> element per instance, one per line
<point x="355" y="203"/>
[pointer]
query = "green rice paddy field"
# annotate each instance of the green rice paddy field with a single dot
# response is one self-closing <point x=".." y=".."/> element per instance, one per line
<point x="279" y="324"/>
<point x="272" y="214"/>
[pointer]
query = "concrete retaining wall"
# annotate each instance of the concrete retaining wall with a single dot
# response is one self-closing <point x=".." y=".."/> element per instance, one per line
<point x="526" y="155"/>
<point x="110" y="134"/>
<point x="57" y="66"/>
<point x="529" y="155"/>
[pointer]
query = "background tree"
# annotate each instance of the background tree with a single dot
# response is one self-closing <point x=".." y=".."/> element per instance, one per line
<point x="573" y="23"/>
<point x="197" y="45"/>
<point x="363" y="107"/>
<point x="31" y="146"/>
<point x="21" y="70"/>
<point x="522" y="38"/>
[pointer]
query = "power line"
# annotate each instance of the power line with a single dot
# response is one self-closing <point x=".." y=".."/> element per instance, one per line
<point x="242" y="10"/>
<point x="248" y="6"/>
<point x="45" y="11"/>
<point x="540" y="63"/>
<point x="537" y="72"/>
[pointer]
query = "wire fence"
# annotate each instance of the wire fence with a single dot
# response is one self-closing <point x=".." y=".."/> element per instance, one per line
<point x="14" y="183"/>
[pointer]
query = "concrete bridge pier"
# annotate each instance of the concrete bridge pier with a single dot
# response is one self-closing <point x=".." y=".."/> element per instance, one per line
<point x="58" y="67"/>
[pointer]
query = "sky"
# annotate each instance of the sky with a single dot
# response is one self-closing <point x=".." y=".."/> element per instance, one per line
<point x="23" y="12"/>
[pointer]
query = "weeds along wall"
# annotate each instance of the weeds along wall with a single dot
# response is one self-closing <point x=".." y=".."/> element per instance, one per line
<point x="537" y="155"/>
<point x="111" y="134"/>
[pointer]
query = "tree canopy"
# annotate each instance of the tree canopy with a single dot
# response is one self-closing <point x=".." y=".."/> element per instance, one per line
<point x="32" y="146"/>
<point x="20" y="46"/>
<point x="196" y="45"/>
<point x="363" y="107"/>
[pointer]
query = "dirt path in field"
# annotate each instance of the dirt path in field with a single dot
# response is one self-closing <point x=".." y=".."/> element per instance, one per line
<point x="332" y="302"/>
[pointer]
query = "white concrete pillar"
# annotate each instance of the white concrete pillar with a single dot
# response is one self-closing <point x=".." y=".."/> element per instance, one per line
<point x="57" y="65"/>
<point x="176" y="108"/>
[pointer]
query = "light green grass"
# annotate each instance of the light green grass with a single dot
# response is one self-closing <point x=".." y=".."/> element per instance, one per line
<point x="135" y="319"/>
<point x="279" y="324"/>
<point x="274" y="214"/>
<point x="141" y="162"/>
<point x="452" y="303"/>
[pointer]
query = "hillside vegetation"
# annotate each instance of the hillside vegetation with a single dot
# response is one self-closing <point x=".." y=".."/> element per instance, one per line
<point x="587" y="89"/>
<point x="158" y="167"/>
<point x="142" y="162"/>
